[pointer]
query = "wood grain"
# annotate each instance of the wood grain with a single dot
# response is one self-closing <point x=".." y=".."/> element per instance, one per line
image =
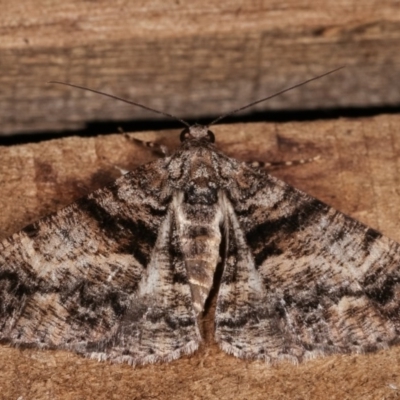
<point x="357" y="174"/>
<point x="193" y="59"/>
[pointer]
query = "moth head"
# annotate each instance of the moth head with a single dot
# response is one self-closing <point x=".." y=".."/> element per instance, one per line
<point x="197" y="132"/>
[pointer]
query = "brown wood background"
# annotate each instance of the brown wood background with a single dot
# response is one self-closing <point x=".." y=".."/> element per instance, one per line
<point x="193" y="59"/>
<point x="357" y="174"/>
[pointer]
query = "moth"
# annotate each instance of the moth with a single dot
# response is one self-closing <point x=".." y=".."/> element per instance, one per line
<point x="123" y="274"/>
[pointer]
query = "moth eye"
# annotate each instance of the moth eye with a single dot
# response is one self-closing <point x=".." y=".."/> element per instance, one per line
<point x="211" y="136"/>
<point x="185" y="134"/>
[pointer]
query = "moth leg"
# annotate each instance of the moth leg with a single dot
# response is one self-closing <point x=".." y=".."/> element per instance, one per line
<point x="156" y="148"/>
<point x="274" y="165"/>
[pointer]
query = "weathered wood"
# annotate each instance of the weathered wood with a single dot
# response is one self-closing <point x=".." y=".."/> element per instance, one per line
<point x="357" y="174"/>
<point x="191" y="58"/>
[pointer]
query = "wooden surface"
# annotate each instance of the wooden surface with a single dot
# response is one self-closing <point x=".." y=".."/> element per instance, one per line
<point x="357" y="174"/>
<point x="193" y="59"/>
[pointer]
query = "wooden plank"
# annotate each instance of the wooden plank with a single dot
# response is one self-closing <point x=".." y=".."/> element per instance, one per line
<point x="357" y="174"/>
<point x="193" y="59"/>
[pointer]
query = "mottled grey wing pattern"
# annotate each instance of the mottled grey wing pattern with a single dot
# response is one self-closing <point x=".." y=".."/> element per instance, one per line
<point x="329" y="283"/>
<point x="78" y="279"/>
<point x="123" y="273"/>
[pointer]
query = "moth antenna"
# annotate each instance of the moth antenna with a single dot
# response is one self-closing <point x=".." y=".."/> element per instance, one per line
<point x="273" y="95"/>
<point x="123" y="100"/>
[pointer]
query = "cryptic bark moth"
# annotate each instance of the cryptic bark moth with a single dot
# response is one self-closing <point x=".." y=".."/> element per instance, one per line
<point x="123" y="273"/>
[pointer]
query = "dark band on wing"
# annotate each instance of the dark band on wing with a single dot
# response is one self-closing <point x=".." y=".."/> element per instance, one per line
<point x="262" y="238"/>
<point x="131" y="236"/>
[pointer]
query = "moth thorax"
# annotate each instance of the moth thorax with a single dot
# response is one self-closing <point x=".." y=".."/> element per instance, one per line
<point x="201" y="191"/>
